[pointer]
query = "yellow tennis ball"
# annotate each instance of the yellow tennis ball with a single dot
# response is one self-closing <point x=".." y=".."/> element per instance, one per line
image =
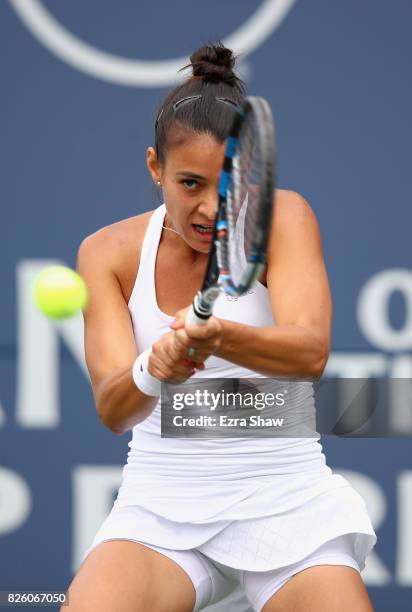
<point x="59" y="292"/>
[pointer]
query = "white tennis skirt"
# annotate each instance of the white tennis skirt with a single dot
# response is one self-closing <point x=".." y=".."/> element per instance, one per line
<point x="256" y="544"/>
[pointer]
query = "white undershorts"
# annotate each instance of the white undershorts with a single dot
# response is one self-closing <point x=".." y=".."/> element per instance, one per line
<point x="227" y="589"/>
<point x="214" y="581"/>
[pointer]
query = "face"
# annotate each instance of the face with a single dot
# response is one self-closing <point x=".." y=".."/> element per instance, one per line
<point x="189" y="179"/>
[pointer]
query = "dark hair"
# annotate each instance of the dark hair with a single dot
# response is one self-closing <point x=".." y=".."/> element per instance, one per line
<point x="203" y="103"/>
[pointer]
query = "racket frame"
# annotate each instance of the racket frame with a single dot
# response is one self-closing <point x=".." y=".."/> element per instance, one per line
<point x="217" y="277"/>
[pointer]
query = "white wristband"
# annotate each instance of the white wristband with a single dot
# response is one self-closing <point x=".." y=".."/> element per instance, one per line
<point x="143" y="380"/>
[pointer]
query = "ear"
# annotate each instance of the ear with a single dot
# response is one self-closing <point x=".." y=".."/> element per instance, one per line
<point x="153" y="165"/>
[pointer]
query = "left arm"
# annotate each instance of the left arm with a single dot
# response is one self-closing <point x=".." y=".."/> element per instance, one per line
<point x="298" y="345"/>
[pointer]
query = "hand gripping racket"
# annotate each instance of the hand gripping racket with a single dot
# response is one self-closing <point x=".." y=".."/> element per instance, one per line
<point x="244" y="209"/>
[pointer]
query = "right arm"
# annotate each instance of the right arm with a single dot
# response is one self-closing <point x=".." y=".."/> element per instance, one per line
<point x="110" y="347"/>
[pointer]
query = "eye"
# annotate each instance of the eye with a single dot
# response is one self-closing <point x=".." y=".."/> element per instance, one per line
<point x="190" y="184"/>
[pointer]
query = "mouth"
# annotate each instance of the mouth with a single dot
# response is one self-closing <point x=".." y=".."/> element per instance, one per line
<point x="204" y="232"/>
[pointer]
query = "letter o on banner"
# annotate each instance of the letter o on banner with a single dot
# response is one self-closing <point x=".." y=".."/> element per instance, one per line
<point x="373" y="309"/>
<point x="15" y="501"/>
<point x="133" y="72"/>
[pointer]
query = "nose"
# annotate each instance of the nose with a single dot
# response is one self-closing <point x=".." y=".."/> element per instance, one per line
<point x="208" y="205"/>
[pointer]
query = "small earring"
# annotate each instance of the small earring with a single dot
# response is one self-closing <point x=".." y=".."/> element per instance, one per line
<point x="158" y="183"/>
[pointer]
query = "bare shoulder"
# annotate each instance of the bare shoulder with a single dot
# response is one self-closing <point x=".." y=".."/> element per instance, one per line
<point x="293" y="215"/>
<point x="294" y="227"/>
<point x="119" y="235"/>
<point x="291" y="205"/>
<point x="115" y="247"/>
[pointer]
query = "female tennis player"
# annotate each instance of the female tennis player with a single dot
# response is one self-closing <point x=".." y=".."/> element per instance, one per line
<point x="199" y="520"/>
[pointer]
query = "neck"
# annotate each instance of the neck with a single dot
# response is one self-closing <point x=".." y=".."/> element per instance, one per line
<point x="170" y="229"/>
<point x="181" y="247"/>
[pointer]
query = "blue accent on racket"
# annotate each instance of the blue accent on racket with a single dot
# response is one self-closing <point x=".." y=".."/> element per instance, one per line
<point x="224" y="180"/>
<point x="231" y="146"/>
<point x="221" y="224"/>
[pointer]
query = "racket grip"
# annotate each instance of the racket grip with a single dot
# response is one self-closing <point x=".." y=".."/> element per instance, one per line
<point x="202" y="307"/>
<point x="193" y="319"/>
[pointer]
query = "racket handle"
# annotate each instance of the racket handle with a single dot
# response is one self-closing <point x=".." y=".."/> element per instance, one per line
<point x="201" y="309"/>
<point x="193" y="319"/>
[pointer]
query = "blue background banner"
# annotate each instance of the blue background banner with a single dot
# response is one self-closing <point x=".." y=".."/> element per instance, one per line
<point x="81" y="83"/>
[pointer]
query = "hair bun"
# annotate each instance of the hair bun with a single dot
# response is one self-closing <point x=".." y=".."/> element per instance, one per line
<point x="213" y="62"/>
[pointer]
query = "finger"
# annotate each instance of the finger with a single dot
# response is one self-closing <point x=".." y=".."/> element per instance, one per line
<point x="181" y="373"/>
<point x="198" y="364"/>
<point x="180" y="317"/>
<point x="182" y="370"/>
<point x="175" y="373"/>
<point x="181" y="354"/>
<point x="176" y="364"/>
<point x="184" y="342"/>
<point x="201" y="332"/>
<point x="168" y="360"/>
<point x="158" y="372"/>
<point x="182" y="338"/>
<point x="189" y="363"/>
<point x="200" y="359"/>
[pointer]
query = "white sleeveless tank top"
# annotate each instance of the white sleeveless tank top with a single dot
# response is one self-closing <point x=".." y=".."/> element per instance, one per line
<point x="213" y="481"/>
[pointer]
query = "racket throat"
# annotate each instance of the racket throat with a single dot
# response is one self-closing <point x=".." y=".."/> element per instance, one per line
<point x="203" y="303"/>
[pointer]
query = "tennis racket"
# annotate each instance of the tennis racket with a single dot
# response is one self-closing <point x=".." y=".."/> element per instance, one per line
<point x="244" y="209"/>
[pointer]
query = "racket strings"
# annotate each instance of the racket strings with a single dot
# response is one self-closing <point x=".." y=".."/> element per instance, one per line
<point x="244" y="200"/>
